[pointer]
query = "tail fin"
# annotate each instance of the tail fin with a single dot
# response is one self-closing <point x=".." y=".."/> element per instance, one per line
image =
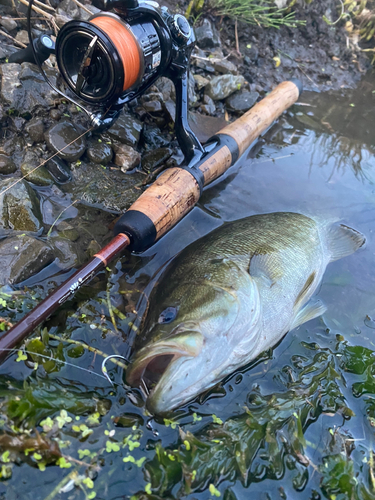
<point x="343" y="240"/>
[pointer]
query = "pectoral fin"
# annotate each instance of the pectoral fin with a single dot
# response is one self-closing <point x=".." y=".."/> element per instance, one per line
<point x="266" y="267"/>
<point x="310" y="311"/>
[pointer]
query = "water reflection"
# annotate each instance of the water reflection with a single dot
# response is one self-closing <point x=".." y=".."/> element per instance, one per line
<point x="299" y="422"/>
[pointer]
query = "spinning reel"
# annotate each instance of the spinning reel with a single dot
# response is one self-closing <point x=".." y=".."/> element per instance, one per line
<point x="115" y="57"/>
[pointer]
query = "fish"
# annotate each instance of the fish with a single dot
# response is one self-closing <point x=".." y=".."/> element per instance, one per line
<point x="228" y="297"/>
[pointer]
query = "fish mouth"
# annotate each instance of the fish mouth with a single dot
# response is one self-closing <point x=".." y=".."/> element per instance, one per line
<point x="152" y="364"/>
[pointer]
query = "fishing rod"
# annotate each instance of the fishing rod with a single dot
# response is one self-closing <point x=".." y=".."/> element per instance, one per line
<point x="118" y="57"/>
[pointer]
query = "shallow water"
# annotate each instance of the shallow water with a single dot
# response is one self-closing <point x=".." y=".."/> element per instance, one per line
<point x="297" y="423"/>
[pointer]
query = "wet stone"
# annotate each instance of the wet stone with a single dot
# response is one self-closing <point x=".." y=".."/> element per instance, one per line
<point x="126" y="129"/>
<point x="154" y="159"/>
<point x="39" y="177"/>
<point x="99" y="152"/>
<point x="58" y="169"/>
<point x="207" y="36"/>
<point x="21" y="257"/>
<point x="35" y="129"/>
<point x="126" y="157"/>
<point x="221" y="87"/>
<point x="24" y="89"/>
<point x="241" y="101"/>
<point x="62" y="134"/>
<point x="65" y="251"/>
<point x="106" y="187"/>
<point x="167" y="89"/>
<point x="204" y="127"/>
<point x="16" y="123"/>
<point x="67" y="231"/>
<point x="7" y="165"/>
<point x="19" y="207"/>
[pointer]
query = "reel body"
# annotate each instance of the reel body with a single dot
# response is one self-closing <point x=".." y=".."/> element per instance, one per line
<point x="115" y="57"/>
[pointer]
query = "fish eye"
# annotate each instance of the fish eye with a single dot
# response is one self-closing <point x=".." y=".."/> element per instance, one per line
<point x="168" y="315"/>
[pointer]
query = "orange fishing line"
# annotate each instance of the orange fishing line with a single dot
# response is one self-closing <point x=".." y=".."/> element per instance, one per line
<point x="126" y="46"/>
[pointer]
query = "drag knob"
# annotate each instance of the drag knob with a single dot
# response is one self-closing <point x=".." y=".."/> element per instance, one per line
<point x="180" y="29"/>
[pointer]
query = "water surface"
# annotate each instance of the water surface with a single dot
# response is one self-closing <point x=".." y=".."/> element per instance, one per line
<point x="298" y="423"/>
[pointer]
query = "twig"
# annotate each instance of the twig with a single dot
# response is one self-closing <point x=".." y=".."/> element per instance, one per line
<point x="236" y="36"/>
<point x="89" y="348"/>
<point x="109" y="305"/>
<point x="41" y="4"/>
<point x="81" y="6"/>
<point x="13" y="39"/>
<point x="37" y="9"/>
<point x="58" y="217"/>
<point x="61" y="484"/>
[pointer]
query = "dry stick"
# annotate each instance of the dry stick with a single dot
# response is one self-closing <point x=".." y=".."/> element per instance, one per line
<point x="41" y="4"/>
<point x="236" y="36"/>
<point x="13" y="39"/>
<point x="81" y="6"/>
<point x="45" y="161"/>
<point x="37" y="9"/>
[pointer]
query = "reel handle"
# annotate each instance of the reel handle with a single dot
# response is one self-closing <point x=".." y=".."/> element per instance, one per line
<point x="176" y="191"/>
<point x="44" y="46"/>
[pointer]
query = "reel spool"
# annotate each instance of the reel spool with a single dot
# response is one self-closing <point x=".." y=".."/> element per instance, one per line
<point x="105" y="57"/>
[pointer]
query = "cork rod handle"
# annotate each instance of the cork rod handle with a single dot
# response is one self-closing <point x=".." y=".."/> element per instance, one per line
<point x="176" y="191"/>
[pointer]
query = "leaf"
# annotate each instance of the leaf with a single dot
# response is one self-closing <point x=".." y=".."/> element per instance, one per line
<point x="21" y="356"/>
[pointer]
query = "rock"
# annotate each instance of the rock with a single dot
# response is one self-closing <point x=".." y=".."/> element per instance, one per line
<point x="19" y="207"/>
<point x="24" y="89"/>
<point x="155" y="158"/>
<point x="67" y="231"/>
<point x="170" y="107"/>
<point x="8" y="23"/>
<point x="39" y="177"/>
<point x="106" y="187"/>
<point x="35" y="129"/>
<point x="55" y="114"/>
<point x="21" y="257"/>
<point x="65" y="251"/>
<point x="207" y="36"/>
<point x="99" y="152"/>
<point x="221" y="87"/>
<point x="154" y="139"/>
<point x="200" y="81"/>
<point x="59" y="170"/>
<point x="126" y="157"/>
<point x="208" y="107"/>
<point x="23" y="37"/>
<point x="60" y="135"/>
<point x="126" y="129"/>
<point x="224" y="66"/>
<point x="204" y="127"/>
<point x="7" y="50"/>
<point x="241" y="101"/>
<point x="193" y="98"/>
<point x="153" y="107"/>
<point x="167" y="88"/>
<point x="7" y="165"/>
<point x="16" y="123"/>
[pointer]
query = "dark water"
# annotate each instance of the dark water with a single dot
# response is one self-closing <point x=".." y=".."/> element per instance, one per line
<point x="298" y="423"/>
